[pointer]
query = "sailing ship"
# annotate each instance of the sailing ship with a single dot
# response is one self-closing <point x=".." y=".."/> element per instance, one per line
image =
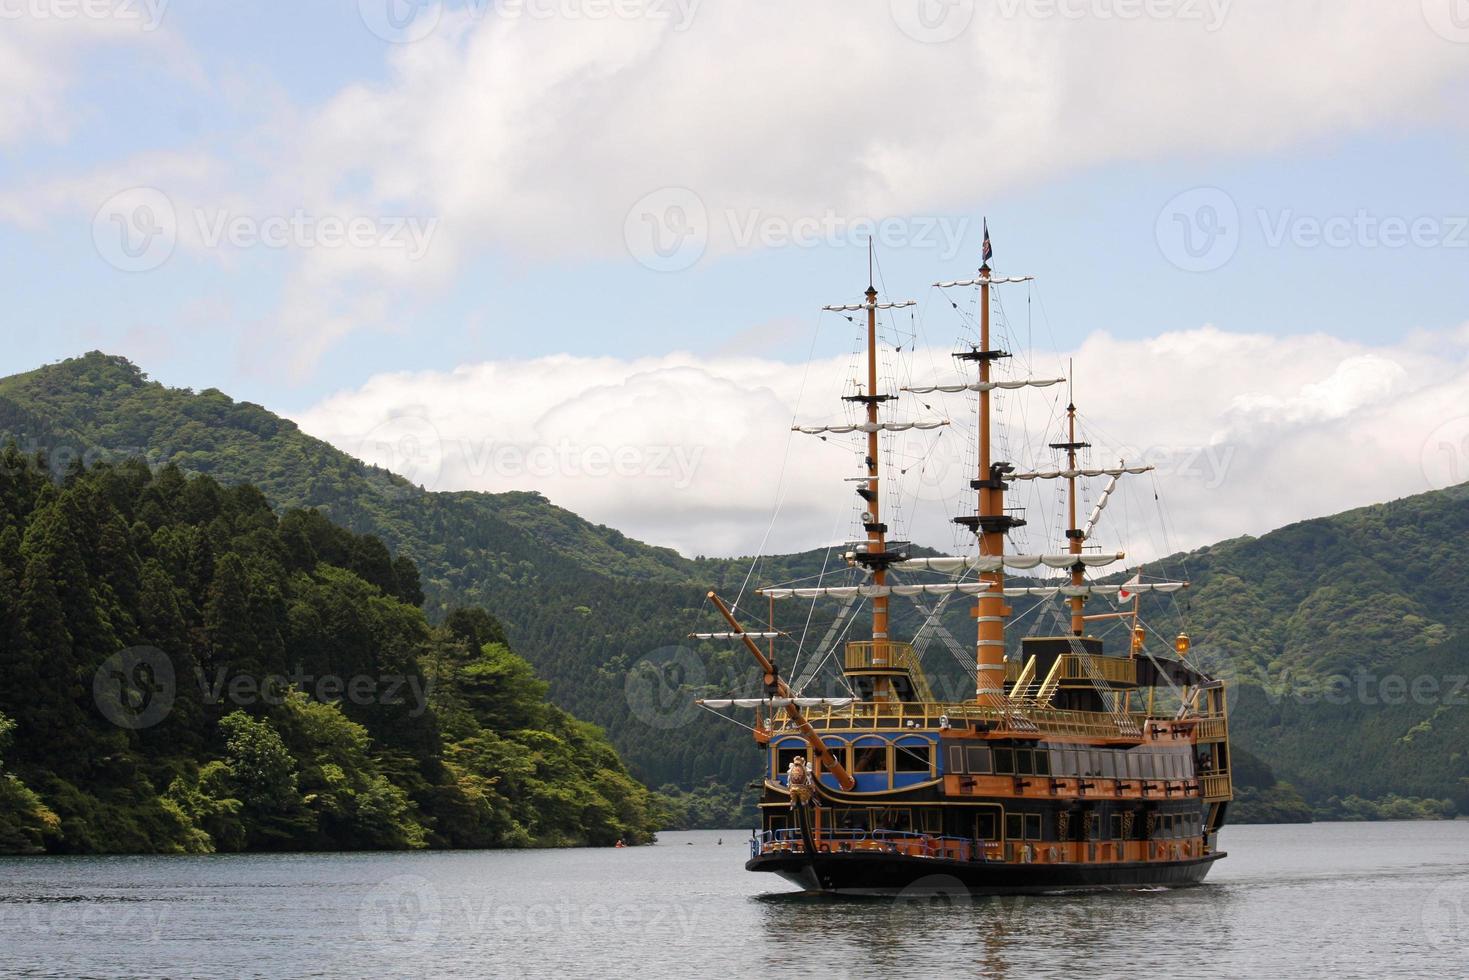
<point x="1072" y="766"/>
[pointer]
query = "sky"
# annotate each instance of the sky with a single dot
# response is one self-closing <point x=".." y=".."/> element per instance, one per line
<point x="581" y="246"/>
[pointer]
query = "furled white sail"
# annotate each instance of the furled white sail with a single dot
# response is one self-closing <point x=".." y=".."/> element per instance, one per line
<point x="1069" y="474"/>
<point x="772" y="635"/>
<point x="856" y="307"/>
<point x="987" y="386"/>
<point x="813" y="430"/>
<point x="774" y="702"/>
<point x="998" y="280"/>
<point x="1096" y="515"/>
<point x="963" y="588"/>
<point x="993" y="563"/>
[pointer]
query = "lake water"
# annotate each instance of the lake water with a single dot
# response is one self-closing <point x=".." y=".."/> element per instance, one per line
<point x="1346" y="900"/>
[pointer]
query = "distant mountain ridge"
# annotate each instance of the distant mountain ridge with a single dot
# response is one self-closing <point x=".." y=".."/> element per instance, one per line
<point x="1379" y="591"/>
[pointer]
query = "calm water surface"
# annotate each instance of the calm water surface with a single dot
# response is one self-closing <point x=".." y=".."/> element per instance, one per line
<point x="1346" y="900"/>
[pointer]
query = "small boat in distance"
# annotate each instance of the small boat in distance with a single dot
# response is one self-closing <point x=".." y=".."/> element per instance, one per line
<point x="1072" y="767"/>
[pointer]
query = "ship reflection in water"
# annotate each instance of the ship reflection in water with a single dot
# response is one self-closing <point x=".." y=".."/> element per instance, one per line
<point x="998" y="936"/>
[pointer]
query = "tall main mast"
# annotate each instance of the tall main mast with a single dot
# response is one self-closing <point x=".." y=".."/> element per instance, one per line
<point x="991" y="524"/>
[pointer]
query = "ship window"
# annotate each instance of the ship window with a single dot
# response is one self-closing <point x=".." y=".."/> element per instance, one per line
<point x="956" y="758"/>
<point x="979" y="758"/>
<point x="852" y="819"/>
<point x="1004" y="762"/>
<point x="911" y="758"/>
<point x="932" y="820"/>
<point x="1058" y="763"/>
<point x="899" y="820"/>
<point x="1093" y="827"/>
<point x="1042" y="762"/>
<point x="1109" y="764"/>
<point x="987" y="825"/>
<point x="1023" y="763"/>
<point x="1075" y="762"/>
<point x="1116" y="826"/>
<point x="1032" y="826"/>
<point x="1015" y="826"/>
<point x="870" y="756"/>
<point x="784" y="756"/>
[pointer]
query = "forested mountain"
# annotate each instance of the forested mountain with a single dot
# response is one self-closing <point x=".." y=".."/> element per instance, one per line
<point x="1298" y="616"/>
<point x="184" y="669"/>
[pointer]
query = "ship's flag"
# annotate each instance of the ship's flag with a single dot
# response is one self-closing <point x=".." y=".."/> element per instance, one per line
<point x="1125" y="593"/>
<point x="989" y="250"/>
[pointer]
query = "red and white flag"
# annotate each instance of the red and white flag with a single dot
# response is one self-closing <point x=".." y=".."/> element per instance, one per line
<point x="1124" y="592"/>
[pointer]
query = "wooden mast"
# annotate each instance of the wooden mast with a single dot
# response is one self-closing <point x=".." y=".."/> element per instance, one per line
<point x="782" y="689"/>
<point x="989" y="608"/>
<point x="1075" y="536"/>
<point x="876" y="530"/>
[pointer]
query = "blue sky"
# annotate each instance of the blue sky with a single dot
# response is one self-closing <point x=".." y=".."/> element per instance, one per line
<point x="524" y="147"/>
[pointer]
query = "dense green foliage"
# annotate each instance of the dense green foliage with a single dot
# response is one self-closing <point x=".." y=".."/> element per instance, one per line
<point x="187" y="670"/>
<point x="1369" y="595"/>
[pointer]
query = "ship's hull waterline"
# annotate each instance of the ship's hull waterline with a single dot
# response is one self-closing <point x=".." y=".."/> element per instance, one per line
<point x="895" y="874"/>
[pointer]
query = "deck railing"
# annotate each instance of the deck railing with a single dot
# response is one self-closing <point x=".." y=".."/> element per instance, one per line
<point x="1113" y="670"/>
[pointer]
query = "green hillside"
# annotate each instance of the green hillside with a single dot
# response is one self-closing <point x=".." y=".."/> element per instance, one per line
<point x="186" y="670"/>
<point x="1369" y="595"/>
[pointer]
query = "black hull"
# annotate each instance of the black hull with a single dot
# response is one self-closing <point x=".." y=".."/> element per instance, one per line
<point x="892" y="874"/>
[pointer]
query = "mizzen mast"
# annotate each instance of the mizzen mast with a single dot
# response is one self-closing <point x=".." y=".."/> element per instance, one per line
<point x="1075" y="536"/>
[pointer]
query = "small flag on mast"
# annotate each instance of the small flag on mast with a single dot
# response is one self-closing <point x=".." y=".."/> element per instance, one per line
<point x="988" y="251"/>
<point x="1125" y="593"/>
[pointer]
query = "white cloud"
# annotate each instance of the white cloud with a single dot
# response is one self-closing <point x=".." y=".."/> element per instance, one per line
<point x="41" y="47"/>
<point x="542" y="133"/>
<point x="1248" y="433"/>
